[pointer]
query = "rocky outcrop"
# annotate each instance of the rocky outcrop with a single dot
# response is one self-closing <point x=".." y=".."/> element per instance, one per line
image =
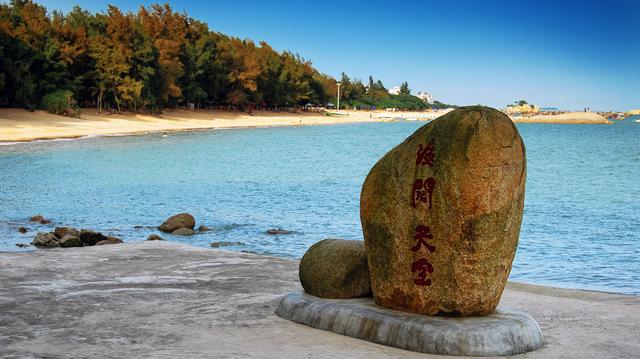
<point x="335" y="268"/>
<point x="441" y="214"/>
<point x="91" y="238"/>
<point x="181" y="220"/>
<point x="60" y="232"/>
<point x="70" y="240"/>
<point x="46" y="240"/>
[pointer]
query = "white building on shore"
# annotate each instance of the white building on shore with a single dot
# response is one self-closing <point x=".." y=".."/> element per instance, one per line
<point x="394" y="91"/>
<point x="425" y="96"/>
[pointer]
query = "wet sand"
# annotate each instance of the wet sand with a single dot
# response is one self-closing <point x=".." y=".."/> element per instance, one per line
<point x="169" y="300"/>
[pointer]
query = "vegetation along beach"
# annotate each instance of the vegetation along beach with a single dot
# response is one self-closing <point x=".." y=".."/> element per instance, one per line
<point x="341" y="180"/>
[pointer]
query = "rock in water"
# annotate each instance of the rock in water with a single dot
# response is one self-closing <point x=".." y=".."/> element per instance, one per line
<point x="70" y="240"/>
<point x="109" y="240"/>
<point x="47" y="240"/>
<point x="441" y="214"/>
<point x="90" y="238"/>
<point x="60" y="232"/>
<point x="155" y="237"/>
<point x="182" y="220"/>
<point x="335" y="268"/>
<point x="184" y="232"/>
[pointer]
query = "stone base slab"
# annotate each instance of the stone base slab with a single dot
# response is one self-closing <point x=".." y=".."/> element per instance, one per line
<point x="505" y="332"/>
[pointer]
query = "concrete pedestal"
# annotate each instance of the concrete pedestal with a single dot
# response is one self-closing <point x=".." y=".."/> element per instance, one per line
<point x="505" y="332"/>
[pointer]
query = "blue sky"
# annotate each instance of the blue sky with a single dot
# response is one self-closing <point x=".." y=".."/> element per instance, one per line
<point x="566" y="54"/>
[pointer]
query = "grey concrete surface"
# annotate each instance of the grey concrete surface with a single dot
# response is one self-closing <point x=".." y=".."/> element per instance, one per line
<point x="160" y="299"/>
<point x="504" y="332"/>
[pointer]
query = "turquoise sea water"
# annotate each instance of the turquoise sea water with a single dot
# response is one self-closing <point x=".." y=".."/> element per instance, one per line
<point x="581" y="225"/>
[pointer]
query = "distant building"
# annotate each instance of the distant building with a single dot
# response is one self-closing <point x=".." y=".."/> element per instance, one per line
<point x="524" y="109"/>
<point x="395" y="90"/>
<point x="425" y="96"/>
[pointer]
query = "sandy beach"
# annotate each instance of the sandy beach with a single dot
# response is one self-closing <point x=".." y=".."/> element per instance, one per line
<point x="168" y="300"/>
<point x="582" y="118"/>
<point x="21" y="125"/>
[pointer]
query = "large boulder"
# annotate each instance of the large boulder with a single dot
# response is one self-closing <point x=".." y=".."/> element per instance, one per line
<point x="46" y="240"/>
<point x="91" y="238"/>
<point x="441" y="214"/>
<point x="182" y="220"/>
<point x="335" y="268"/>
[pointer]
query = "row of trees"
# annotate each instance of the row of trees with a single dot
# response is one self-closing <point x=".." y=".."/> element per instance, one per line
<point x="154" y="59"/>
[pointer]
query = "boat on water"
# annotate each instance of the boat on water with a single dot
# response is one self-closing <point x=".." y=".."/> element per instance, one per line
<point x="638" y="121"/>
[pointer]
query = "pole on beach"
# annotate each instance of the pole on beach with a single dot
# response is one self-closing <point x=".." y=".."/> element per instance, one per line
<point x="338" y="104"/>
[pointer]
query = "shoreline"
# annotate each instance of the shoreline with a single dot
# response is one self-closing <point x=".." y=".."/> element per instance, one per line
<point x="21" y="126"/>
<point x="129" y="298"/>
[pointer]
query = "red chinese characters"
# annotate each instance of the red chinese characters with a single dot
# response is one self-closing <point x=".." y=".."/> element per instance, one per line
<point x="423" y="191"/>
<point x="426" y="154"/>
<point x="423" y="268"/>
<point x="423" y="233"/>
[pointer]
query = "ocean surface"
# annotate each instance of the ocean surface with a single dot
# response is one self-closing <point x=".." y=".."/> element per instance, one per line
<point x="581" y="226"/>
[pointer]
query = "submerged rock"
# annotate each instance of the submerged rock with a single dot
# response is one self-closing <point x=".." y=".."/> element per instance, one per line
<point x="23" y="230"/>
<point x="278" y="231"/>
<point x="183" y="232"/>
<point x="46" y="240"/>
<point x="40" y="219"/>
<point x="181" y="220"/>
<point x="203" y="228"/>
<point x="335" y="268"/>
<point x="90" y="238"/>
<point x="70" y="240"/>
<point x="155" y="237"/>
<point x="441" y="214"/>
<point x="225" y="244"/>
<point x="109" y="240"/>
<point x="22" y="245"/>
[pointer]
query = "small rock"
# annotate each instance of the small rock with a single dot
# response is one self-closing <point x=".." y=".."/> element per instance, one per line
<point x="60" y="232"/>
<point x="90" y="238"/>
<point x="70" y="240"/>
<point x="248" y="251"/>
<point x="40" y="219"/>
<point x="182" y="220"/>
<point x="225" y="244"/>
<point x="183" y="232"/>
<point x="47" y="240"/>
<point x="204" y="228"/>
<point x="22" y="230"/>
<point x="155" y="237"/>
<point x="335" y="268"/>
<point x="22" y="245"/>
<point x="109" y="240"/>
<point x="278" y="231"/>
